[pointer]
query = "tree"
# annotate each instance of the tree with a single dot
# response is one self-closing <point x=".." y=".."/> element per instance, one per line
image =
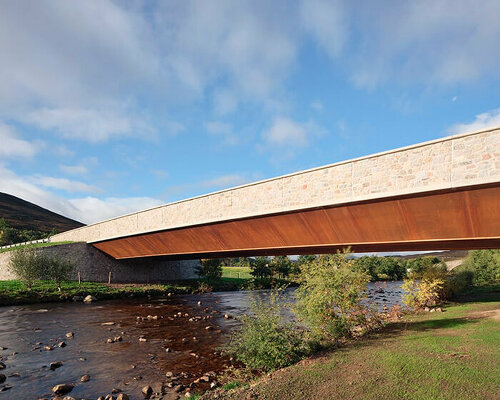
<point x="28" y="265"/>
<point x="261" y="267"/>
<point x="210" y="268"/>
<point x="484" y="265"/>
<point x="59" y="270"/>
<point x="330" y="294"/>
<point x="281" y="265"/>
<point x="306" y="258"/>
<point x="265" y="340"/>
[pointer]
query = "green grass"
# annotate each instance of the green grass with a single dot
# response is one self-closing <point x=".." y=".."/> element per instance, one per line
<point x="236" y="272"/>
<point x="34" y="245"/>
<point x="450" y="355"/>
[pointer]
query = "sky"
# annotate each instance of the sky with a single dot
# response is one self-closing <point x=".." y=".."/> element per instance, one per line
<point x="112" y="107"/>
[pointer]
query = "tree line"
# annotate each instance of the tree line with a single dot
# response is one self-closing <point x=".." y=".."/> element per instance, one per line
<point x="11" y="235"/>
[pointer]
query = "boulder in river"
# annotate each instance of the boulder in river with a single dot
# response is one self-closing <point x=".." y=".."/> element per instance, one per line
<point x="62" y="388"/>
<point x="122" y="396"/>
<point x="85" y="378"/>
<point x="3" y="378"/>
<point x="55" y="364"/>
<point x="2" y="365"/>
<point x="89" y="299"/>
<point x="147" y="391"/>
<point x="70" y="334"/>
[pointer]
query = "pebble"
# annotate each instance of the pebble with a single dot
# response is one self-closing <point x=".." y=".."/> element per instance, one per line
<point x="89" y="299"/>
<point x="147" y="391"/>
<point x="85" y="378"/>
<point x="55" y="364"/>
<point x="62" y="388"/>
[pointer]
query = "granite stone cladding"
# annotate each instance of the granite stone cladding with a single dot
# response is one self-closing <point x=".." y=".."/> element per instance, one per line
<point x="454" y="161"/>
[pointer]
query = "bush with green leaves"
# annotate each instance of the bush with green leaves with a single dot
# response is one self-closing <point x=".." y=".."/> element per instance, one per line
<point x="381" y="268"/>
<point x="28" y="266"/>
<point x="484" y="266"/>
<point x="330" y="296"/>
<point x="261" y="268"/>
<point x="281" y="266"/>
<point x="210" y="268"/>
<point x="265" y="340"/>
<point x="58" y="270"/>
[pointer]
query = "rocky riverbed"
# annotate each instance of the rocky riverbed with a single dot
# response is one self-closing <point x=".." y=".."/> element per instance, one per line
<point x="125" y="348"/>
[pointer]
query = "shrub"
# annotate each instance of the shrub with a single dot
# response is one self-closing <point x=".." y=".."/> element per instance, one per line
<point x="281" y="265"/>
<point x="484" y="265"/>
<point x="261" y="268"/>
<point x="58" y="270"/>
<point x="330" y="295"/>
<point x="458" y="282"/>
<point x="28" y="265"/>
<point x="422" y="293"/>
<point x="210" y="268"/>
<point x="265" y="341"/>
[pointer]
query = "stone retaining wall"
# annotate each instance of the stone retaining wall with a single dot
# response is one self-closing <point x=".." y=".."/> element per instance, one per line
<point x="451" y="162"/>
<point x="95" y="265"/>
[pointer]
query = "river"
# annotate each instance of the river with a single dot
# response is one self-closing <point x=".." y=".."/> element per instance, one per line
<point x="191" y="327"/>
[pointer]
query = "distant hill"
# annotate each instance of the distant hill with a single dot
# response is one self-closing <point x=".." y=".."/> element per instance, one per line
<point x="22" y="214"/>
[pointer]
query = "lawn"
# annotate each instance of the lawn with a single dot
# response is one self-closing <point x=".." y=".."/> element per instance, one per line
<point x="450" y="355"/>
<point x="33" y="246"/>
<point x="236" y="272"/>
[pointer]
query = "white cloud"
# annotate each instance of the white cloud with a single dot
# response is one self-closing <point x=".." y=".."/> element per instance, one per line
<point x="67" y="185"/>
<point x="224" y="131"/>
<point x="288" y="133"/>
<point x="437" y="43"/>
<point x="11" y="146"/>
<point x="325" y="21"/>
<point x="87" y="210"/>
<point x="490" y="119"/>
<point x="74" y="169"/>
<point x="93" y="209"/>
<point x="89" y="124"/>
<point x="317" y="106"/>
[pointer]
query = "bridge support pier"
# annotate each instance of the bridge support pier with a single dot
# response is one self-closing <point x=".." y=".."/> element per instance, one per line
<point x="96" y="266"/>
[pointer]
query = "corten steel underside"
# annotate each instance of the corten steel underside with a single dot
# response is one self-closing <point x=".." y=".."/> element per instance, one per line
<point x="465" y="218"/>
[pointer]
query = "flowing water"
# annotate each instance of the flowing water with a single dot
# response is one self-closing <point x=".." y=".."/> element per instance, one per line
<point x="29" y="336"/>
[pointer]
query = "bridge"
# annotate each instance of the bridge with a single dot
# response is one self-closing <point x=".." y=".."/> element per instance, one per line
<point x="437" y="195"/>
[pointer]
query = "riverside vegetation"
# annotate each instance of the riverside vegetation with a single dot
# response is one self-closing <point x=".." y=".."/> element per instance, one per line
<point x="331" y="309"/>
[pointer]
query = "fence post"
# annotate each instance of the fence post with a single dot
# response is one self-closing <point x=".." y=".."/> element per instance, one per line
<point x="79" y="279"/>
<point x="109" y="278"/>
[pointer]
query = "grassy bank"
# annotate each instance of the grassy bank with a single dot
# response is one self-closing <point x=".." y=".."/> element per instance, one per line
<point x="449" y="355"/>
<point x="236" y="272"/>
<point x="15" y="292"/>
<point x="33" y="246"/>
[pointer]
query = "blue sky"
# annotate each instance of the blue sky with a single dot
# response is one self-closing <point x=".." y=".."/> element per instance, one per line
<point x="111" y="107"/>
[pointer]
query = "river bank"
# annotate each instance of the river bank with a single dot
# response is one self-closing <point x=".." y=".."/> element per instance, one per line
<point x="166" y="342"/>
<point x="16" y="293"/>
<point x="442" y="355"/>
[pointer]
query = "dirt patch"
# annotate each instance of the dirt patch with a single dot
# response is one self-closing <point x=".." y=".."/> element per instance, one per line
<point x="493" y="314"/>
